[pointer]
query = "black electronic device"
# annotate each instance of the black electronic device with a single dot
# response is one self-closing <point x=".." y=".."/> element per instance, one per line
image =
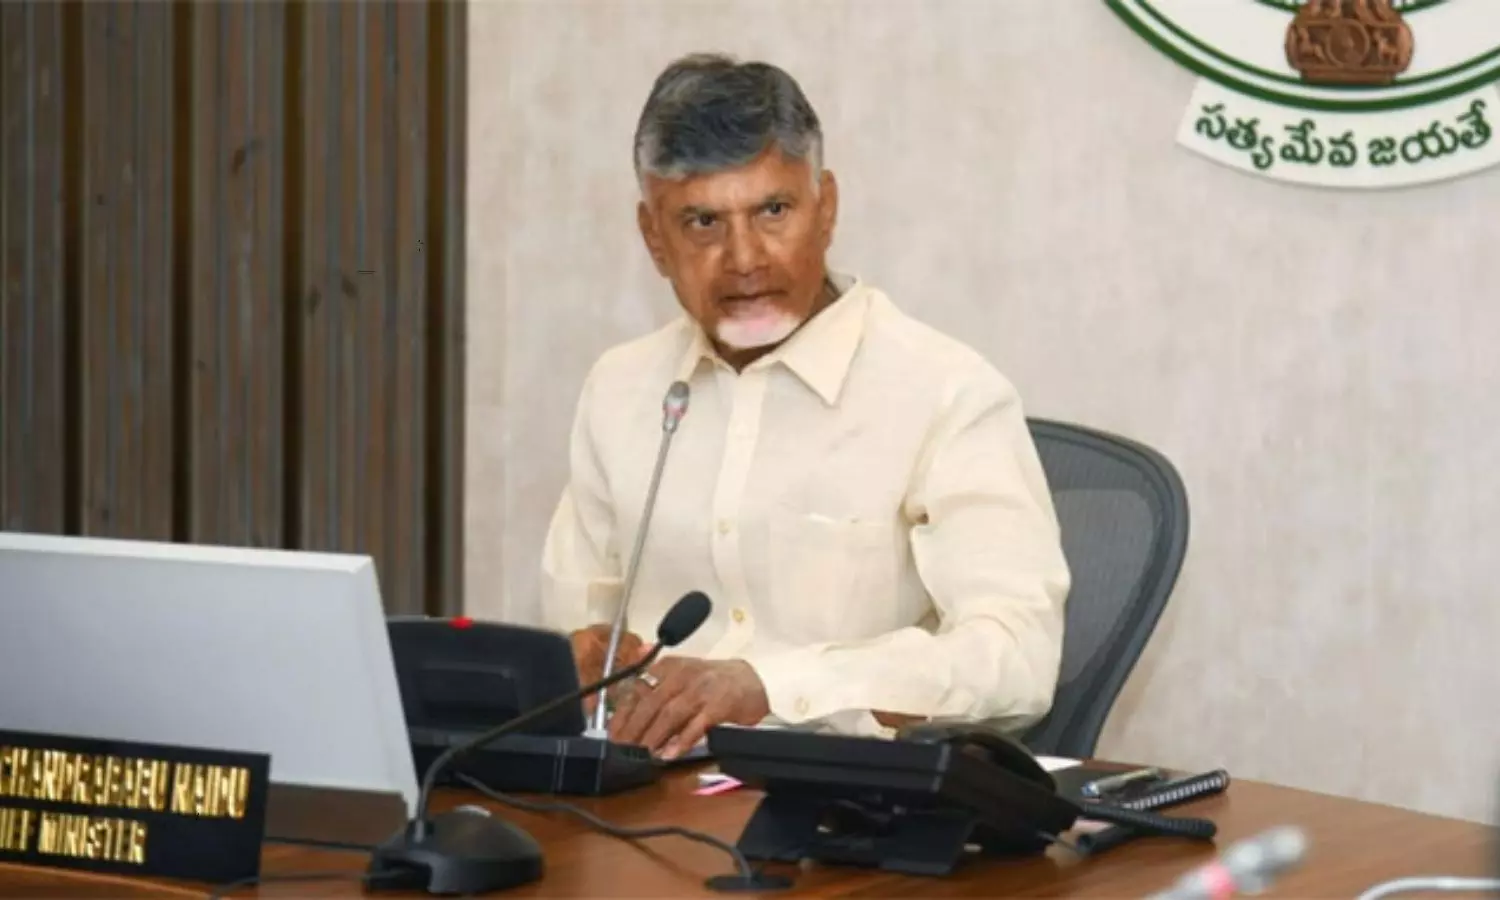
<point x="917" y="805"/>
<point x="459" y="678"/>
<point x="540" y="763"/>
<point x="472" y="852"/>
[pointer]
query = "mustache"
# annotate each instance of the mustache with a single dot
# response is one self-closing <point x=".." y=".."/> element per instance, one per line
<point x="747" y="292"/>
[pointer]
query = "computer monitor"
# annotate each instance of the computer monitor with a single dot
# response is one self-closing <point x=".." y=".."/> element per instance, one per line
<point x="268" y="651"/>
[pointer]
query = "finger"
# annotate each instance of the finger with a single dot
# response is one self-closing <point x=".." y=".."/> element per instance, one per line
<point x="632" y="641"/>
<point x="662" y="672"/>
<point x="642" y="707"/>
<point x="681" y="702"/>
<point x="670" y="719"/>
<point x="651" y="702"/>
<point x="631" y="717"/>
<point x="588" y="655"/>
<point x="689" y="735"/>
<point x="632" y="655"/>
<point x="621" y="699"/>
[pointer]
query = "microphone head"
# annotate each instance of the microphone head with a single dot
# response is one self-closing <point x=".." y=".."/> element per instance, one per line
<point x="685" y="617"/>
<point x="1256" y="861"/>
<point x="674" y="405"/>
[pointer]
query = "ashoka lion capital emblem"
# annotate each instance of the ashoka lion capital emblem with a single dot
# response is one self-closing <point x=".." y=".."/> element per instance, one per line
<point x="1354" y="42"/>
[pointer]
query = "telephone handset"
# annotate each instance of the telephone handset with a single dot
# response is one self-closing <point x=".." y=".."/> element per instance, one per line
<point x="985" y="742"/>
<point x="993" y="746"/>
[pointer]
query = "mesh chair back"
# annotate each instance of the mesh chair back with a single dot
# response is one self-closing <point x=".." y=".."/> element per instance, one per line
<point x="1124" y="517"/>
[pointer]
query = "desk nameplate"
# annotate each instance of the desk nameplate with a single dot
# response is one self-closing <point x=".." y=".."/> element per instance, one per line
<point x="131" y="808"/>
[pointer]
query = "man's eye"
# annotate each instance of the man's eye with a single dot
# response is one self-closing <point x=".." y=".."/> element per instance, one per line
<point x="702" y="220"/>
<point x="776" y="209"/>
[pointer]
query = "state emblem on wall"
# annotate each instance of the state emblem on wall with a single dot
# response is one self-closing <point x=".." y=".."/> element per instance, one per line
<point x="1335" y="93"/>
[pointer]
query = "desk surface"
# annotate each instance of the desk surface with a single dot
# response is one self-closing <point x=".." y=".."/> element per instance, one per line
<point x="1352" y="846"/>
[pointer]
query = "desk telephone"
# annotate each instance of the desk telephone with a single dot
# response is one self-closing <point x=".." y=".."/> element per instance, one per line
<point x="918" y="804"/>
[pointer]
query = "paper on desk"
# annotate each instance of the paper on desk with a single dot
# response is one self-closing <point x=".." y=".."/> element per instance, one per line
<point x="1056" y="763"/>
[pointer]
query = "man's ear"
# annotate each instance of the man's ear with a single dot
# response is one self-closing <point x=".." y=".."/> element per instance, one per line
<point x="828" y="206"/>
<point x="652" y="237"/>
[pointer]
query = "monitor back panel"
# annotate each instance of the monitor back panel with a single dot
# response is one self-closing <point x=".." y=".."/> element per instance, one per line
<point x="251" y="650"/>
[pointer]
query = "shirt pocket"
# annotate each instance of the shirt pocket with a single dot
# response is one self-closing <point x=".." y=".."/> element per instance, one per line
<point x="832" y="578"/>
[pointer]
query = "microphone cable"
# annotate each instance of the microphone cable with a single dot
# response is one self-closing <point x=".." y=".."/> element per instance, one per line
<point x="1151" y="824"/>
<point x="747" y="873"/>
<point x="1432" y="884"/>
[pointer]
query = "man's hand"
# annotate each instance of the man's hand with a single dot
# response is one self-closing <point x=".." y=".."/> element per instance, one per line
<point x="896" y="720"/>
<point x="589" y="648"/>
<point x="690" y="696"/>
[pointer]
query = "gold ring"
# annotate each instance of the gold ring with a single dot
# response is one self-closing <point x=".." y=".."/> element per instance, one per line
<point x="651" y="681"/>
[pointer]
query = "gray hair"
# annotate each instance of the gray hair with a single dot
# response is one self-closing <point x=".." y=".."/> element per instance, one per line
<point x="708" y="112"/>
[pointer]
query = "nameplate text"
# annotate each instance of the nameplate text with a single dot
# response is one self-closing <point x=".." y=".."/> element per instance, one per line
<point x="131" y="808"/>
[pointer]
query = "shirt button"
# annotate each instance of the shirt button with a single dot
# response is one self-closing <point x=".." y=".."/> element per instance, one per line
<point x="802" y="706"/>
<point x="725" y="526"/>
<point x="738" y="614"/>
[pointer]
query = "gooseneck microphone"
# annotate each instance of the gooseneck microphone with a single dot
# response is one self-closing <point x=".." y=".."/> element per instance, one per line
<point x="1247" y="867"/>
<point x="468" y="852"/>
<point x="673" y="407"/>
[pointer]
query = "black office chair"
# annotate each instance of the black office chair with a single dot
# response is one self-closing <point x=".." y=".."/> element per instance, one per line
<point x="1124" y="516"/>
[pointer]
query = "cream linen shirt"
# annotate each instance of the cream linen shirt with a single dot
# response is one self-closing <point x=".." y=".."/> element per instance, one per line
<point x="864" y="506"/>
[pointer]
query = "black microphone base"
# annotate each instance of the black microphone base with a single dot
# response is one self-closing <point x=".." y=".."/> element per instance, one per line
<point x="755" y="883"/>
<point x="462" y="852"/>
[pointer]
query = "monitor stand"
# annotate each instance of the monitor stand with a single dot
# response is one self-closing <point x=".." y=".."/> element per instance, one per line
<point x="332" y="817"/>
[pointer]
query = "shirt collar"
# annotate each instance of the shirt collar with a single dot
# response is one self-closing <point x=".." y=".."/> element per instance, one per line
<point x="820" y="352"/>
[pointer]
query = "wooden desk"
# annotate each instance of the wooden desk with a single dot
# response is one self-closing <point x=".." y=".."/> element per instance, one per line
<point x="1352" y="846"/>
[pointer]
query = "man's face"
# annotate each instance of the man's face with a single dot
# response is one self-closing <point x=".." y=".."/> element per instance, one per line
<point x="744" y="248"/>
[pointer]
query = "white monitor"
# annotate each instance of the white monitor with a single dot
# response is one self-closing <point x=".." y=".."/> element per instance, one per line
<point x="269" y="651"/>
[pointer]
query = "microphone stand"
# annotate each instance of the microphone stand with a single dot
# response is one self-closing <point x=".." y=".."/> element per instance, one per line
<point x="673" y="407"/>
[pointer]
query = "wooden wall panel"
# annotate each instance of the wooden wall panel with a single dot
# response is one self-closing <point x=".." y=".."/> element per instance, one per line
<point x="406" y="124"/>
<point x="447" y="143"/>
<point x="238" y="152"/>
<point x="125" y="261"/>
<point x="365" y="294"/>
<point x="233" y="278"/>
<point x="33" y="357"/>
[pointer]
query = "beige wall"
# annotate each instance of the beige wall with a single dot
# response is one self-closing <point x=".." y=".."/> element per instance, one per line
<point x="1319" y="365"/>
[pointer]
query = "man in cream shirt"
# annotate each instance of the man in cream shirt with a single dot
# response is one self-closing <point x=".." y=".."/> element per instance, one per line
<point x="858" y="493"/>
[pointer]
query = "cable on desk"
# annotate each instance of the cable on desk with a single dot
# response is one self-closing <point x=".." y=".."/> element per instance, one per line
<point x="1152" y="824"/>
<point x="618" y="831"/>
<point x="1431" y="883"/>
<point x="335" y="846"/>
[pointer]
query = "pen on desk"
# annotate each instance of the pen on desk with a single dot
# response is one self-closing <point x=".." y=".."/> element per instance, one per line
<point x="1111" y="783"/>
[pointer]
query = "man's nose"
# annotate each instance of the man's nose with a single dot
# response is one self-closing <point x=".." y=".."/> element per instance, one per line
<point x="747" y="250"/>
